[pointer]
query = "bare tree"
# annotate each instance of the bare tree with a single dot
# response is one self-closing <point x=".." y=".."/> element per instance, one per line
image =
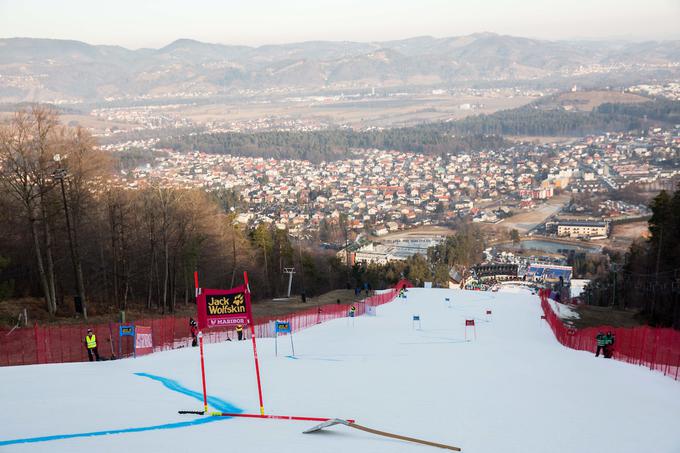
<point x="25" y="155"/>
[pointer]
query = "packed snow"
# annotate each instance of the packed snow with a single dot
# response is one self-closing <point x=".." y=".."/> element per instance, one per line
<point x="563" y="311"/>
<point x="512" y="389"/>
<point x="578" y="286"/>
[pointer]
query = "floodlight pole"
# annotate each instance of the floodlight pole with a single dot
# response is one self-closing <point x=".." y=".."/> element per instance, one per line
<point x="60" y="174"/>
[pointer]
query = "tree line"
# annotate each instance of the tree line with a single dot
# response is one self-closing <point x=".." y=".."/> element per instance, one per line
<point x="471" y="133"/>
<point x="329" y="145"/>
<point x="69" y="232"/>
<point x="535" y="120"/>
<point x="647" y="277"/>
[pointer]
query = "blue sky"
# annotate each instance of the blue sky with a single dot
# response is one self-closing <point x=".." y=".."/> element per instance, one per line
<point x="154" y="23"/>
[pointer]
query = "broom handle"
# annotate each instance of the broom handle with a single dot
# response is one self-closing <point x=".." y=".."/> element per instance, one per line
<point x="396" y="436"/>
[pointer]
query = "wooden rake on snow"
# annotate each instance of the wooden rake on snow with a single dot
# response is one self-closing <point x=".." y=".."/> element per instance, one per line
<point x="327" y="423"/>
<point x="338" y="421"/>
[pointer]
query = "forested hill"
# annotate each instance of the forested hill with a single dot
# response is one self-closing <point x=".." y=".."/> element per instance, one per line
<point x="534" y="120"/>
<point x="477" y="132"/>
<point x="329" y="145"/>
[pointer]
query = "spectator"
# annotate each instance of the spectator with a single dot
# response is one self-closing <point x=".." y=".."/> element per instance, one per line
<point x="609" y="345"/>
<point x="239" y="332"/>
<point x="91" y="343"/>
<point x="194" y="332"/>
<point x="601" y="342"/>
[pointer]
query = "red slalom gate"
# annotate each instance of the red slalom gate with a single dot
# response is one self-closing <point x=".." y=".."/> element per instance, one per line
<point x="470" y="323"/>
<point x="653" y="347"/>
<point x="227" y="308"/>
<point x="205" y="392"/>
<point x="251" y="323"/>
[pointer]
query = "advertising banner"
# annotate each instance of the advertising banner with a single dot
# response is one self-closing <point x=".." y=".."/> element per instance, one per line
<point x="127" y="331"/>
<point x="549" y="273"/>
<point x="282" y="327"/>
<point x="223" y="307"/>
<point x="143" y="340"/>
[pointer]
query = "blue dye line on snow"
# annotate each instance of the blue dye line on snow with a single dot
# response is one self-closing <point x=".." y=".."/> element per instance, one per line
<point x="175" y="386"/>
<point x="28" y="440"/>
<point x="170" y="384"/>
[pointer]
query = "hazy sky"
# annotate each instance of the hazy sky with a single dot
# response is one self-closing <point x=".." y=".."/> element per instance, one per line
<point x="155" y="23"/>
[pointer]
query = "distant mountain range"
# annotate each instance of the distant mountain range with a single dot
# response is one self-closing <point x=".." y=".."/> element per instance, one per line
<point x="59" y="70"/>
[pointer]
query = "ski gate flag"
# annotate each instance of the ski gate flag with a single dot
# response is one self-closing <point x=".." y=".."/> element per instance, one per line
<point x="223" y="307"/>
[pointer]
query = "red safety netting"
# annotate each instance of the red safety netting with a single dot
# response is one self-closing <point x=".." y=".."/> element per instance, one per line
<point x="65" y="343"/>
<point x="652" y="347"/>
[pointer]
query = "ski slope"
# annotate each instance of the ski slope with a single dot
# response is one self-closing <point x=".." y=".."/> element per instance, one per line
<point x="513" y="389"/>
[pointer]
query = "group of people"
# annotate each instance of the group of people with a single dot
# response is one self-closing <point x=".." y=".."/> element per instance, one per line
<point x="194" y="332"/>
<point x="93" y="352"/>
<point x="367" y="289"/>
<point x="605" y="344"/>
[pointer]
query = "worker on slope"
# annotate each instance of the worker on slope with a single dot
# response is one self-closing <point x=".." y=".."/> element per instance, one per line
<point x="608" y="345"/>
<point x="91" y="343"/>
<point x="193" y="326"/>
<point x="239" y="332"/>
<point x="601" y="342"/>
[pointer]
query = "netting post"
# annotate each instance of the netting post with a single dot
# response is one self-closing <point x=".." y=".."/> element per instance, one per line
<point x="652" y="363"/>
<point x="61" y="345"/>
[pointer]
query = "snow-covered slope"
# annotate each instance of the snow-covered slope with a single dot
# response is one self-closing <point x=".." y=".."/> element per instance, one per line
<point x="513" y="389"/>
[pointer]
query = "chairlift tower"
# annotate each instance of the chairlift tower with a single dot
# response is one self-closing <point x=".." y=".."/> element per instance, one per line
<point x="290" y="271"/>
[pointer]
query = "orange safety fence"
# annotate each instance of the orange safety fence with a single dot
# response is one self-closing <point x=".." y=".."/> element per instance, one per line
<point x="66" y="343"/>
<point x="654" y="347"/>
